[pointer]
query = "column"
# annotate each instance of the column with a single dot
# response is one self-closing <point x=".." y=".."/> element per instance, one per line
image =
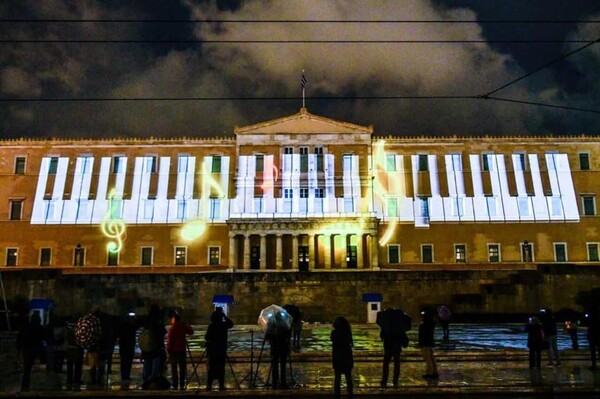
<point x="295" y="251"/>
<point x="359" y="251"/>
<point x="232" y="252"/>
<point x="344" y="248"/>
<point x="263" y="251"/>
<point x="328" y="249"/>
<point x="246" y="252"/>
<point x="279" y="252"/>
<point x="311" y="251"/>
<point x="374" y="253"/>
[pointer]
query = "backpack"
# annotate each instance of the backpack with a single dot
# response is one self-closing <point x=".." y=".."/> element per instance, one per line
<point x="147" y="340"/>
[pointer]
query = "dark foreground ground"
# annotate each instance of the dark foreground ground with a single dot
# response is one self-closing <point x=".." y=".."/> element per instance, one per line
<point x="480" y="362"/>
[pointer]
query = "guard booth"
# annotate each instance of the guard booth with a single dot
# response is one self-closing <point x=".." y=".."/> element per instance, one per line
<point x="222" y="301"/>
<point x="41" y="307"/>
<point x="373" y="301"/>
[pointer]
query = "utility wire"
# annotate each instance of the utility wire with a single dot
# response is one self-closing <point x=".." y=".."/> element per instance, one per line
<point x="301" y="21"/>
<point x="562" y="57"/>
<point x="595" y="111"/>
<point x="275" y="41"/>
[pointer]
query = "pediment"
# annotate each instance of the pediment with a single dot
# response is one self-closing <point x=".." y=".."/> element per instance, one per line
<point x="303" y="123"/>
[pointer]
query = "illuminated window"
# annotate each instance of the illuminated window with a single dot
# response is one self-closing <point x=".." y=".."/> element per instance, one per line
<point x="118" y="162"/>
<point x="20" y="163"/>
<point x="16" y="209"/>
<point x="560" y="252"/>
<point x="392" y="207"/>
<point x="589" y="205"/>
<point x="584" y="161"/>
<point x="390" y="163"/>
<point x="423" y="163"/>
<point x="115" y="208"/>
<point x="260" y="163"/>
<point x="424" y="207"/>
<point x="287" y="158"/>
<point x="526" y="251"/>
<point x="592" y="249"/>
<point x="53" y="166"/>
<point x="45" y="256"/>
<point x="393" y="254"/>
<point x="557" y="206"/>
<point x="214" y="255"/>
<point x="150" y="163"/>
<point x="215" y="208"/>
<point x="460" y="253"/>
<point x="181" y="209"/>
<point x="491" y="206"/>
<point x="148" y="209"/>
<point x="524" y="206"/>
<point x="456" y="162"/>
<point x="86" y="164"/>
<point x="11" y="256"/>
<point x="112" y="258"/>
<point x="288" y="193"/>
<point x="347" y="162"/>
<point x="487" y="162"/>
<point x="519" y="161"/>
<point x="216" y="164"/>
<point x="78" y="255"/>
<point x="494" y="253"/>
<point x="427" y="253"/>
<point x="319" y="193"/>
<point x="183" y="162"/>
<point x="147" y="255"/>
<point x="180" y="256"/>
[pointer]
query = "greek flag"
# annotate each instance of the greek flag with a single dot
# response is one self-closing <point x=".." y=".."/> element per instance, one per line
<point x="303" y="81"/>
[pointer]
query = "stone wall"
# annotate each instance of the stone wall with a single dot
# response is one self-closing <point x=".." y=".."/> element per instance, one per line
<point x="321" y="295"/>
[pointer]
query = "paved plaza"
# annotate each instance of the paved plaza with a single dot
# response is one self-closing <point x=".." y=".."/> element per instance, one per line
<point x="480" y="361"/>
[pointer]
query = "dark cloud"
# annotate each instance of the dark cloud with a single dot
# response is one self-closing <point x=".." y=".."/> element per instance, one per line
<point x="239" y="70"/>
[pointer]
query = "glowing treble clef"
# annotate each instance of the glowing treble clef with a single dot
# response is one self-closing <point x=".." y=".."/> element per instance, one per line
<point x="112" y="225"/>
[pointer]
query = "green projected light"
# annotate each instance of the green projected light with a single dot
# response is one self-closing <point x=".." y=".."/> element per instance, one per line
<point x="112" y="225"/>
<point x="379" y="167"/>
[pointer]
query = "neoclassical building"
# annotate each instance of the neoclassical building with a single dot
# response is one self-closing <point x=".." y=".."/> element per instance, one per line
<point x="302" y="192"/>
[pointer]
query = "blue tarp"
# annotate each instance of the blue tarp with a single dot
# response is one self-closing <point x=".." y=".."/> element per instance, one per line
<point x="372" y="297"/>
<point x="41" y="304"/>
<point x="220" y="298"/>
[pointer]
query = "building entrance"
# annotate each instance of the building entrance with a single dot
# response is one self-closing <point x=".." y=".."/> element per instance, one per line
<point x="303" y="259"/>
<point x="255" y="257"/>
<point x="351" y="257"/>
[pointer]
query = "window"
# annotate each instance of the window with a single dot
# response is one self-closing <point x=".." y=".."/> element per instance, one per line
<point x="181" y="209"/>
<point x="589" y="205"/>
<point x="460" y="253"/>
<point x="288" y="193"/>
<point x="150" y="163"/>
<point x="180" y="256"/>
<point x="423" y="164"/>
<point x="390" y="163"/>
<point x="347" y="162"/>
<point x="427" y="253"/>
<point x="53" y="166"/>
<point x="183" y="162"/>
<point x="491" y="206"/>
<point x="424" y="207"/>
<point x="584" y="161"/>
<point x="456" y="162"/>
<point x="526" y="252"/>
<point x="459" y="206"/>
<point x="519" y="160"/>
<point x="78" y="255"/>
<point x="304" y="193"/>
<point x="215" y="208"/>
<point x="147" y="254"/>
<point x="560" y="252"/>
<point x="319" y="156"/>
<point x="288" y="150"/>
<point x="148" y="209"/>
<point x="118" y="164"/>
<point x="393" y="254"/>
<point x="392" y="207"/>
<point x="303" y="159"/>
<point x="216" y="164"/>
<point x="494" y="253"/>
<point x="214" y="255"/>
<point x="592" y="248"/>
<point x="45" y="256"/>
<point x="556" y="206"/>
<point x="11" y="256"/>
<point x="16" y="209"/>
<point x="487" y="162"/>
<point x="20" y="165"/>
<point x="115" y="208"/>
<point x="524" y="206"/>
<point x="112" y="258"/>
<point x="260" y="163"/>
<point x="287" y="158"/>
<point x="319" y="193"/>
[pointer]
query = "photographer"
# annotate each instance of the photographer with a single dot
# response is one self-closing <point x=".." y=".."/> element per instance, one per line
<point x="216" y="348"/>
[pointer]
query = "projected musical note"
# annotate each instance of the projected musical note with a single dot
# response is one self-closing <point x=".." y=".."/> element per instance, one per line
<point x="112" y="225"/>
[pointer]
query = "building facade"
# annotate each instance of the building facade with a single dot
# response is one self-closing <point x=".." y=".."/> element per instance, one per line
<point x="302" y="193"/>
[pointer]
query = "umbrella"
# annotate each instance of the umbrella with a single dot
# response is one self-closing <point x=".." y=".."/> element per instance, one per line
<point x="444" y="312"/>
<point x="88" y="330"/>
<point x="393" y="321"/>
<point x="274" y="318"/>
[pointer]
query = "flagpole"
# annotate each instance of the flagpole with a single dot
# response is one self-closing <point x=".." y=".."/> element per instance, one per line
<point x="303" y="82"/>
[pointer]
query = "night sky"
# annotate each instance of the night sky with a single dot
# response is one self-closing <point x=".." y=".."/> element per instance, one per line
<point x="214" y="81"/>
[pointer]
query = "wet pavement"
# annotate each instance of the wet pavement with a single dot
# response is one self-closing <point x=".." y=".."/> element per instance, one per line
<point x="480" y="361"/>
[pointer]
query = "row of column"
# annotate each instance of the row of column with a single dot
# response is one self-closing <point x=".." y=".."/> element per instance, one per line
<point x="329" y="251"/>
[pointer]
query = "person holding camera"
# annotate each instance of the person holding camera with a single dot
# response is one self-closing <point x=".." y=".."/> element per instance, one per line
<point x="216" y="348"/>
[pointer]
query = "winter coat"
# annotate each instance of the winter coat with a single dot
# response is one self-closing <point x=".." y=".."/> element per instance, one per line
<point x="342" y="357"/>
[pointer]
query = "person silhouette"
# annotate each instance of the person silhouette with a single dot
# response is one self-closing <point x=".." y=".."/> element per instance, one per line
<point x="216" y="348"/>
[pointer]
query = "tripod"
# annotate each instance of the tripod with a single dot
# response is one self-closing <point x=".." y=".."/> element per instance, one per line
<point x="196" y="365"/>
<point x="289" y="363"/>
<point x="252" y="375"/>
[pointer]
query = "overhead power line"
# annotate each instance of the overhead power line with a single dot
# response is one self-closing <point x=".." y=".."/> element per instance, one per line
<point x="276" y="41"/>
<point x="303" y="21"/>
